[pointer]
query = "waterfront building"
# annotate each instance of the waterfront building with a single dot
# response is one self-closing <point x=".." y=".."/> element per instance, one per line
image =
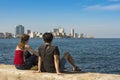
<point x="76" y="35"/>
<point x="28" y="31"/>
<point x="1" y="35"/>
<point x="61" y="30"/>
<point x="88" y="36"/>
<point x="58" y="33"/>
<point x="8" y="35"/>
<point x="55" y="30"/>
<point x="19" y="30"/>
<point x="81" y="35"/>
<point x="35" y="35"/>
<point x="41" y="35"/>
<point x="31" y="35"/>
<point x="72" y="33"/>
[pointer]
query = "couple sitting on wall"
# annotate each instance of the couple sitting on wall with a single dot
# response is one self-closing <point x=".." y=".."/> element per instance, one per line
<point x="47" y="58"/>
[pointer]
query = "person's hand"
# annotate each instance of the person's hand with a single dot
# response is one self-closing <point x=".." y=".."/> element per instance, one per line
<point x="37" y="71"/>
<point x="59" y="73"/>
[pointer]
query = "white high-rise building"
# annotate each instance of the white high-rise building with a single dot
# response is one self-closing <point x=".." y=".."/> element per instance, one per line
<point x="58" y="32"/>
<point x="61" y="30"/>
<point x="72" y="32"/>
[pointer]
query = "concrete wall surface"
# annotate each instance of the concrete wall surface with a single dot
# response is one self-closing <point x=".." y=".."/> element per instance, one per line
<point x="9" y="72"/>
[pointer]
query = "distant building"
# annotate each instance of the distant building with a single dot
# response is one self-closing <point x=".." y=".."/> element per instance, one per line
<point x="72" y="33"/>
<point x="35" y="35"/>
<point x="19" y="30"/>
<point x="8" y="35"/>
<point x="41" y="35"/>
<point x="1" y="35"/>
<point x="28" y="31"/>
<point x="76" y="35"/>
<point x="59" y="32"/>
<point x="81" y="35"/>
<point x="55" y="30"/>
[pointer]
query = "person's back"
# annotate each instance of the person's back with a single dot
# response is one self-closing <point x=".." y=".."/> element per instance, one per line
<point x="49" y="57"/>
<point x="47" y="54"/>
<point x="20" y="60"/>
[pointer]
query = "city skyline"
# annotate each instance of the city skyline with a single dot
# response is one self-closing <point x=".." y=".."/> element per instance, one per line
<point x="57" y="33"/>
<point x="99" y="18"/>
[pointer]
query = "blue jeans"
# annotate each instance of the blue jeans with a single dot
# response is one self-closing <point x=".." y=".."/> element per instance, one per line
<point x="62" y="63"/>
<point x="28" y="63"/>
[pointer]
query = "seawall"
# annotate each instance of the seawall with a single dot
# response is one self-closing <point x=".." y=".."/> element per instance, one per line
<point x="9" y="72"/>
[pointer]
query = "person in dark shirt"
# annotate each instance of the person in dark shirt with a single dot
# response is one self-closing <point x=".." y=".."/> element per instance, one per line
<point x="49" y="57"/>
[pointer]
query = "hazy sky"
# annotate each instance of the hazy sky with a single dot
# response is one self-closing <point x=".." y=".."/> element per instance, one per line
<point x="100" y="18"/>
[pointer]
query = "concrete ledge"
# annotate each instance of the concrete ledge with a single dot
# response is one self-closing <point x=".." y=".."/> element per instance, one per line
<point x="9" y="72"/>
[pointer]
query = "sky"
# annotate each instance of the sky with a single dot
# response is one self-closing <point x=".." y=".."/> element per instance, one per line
<point x="98" y="18"/>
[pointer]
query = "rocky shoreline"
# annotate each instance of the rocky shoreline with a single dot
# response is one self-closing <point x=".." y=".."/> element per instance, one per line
<point x="9" y="72"/>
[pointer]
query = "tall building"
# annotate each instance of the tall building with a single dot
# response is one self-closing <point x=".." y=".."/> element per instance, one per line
<point x="55" y="30"/>
<point x="81" y="35"/>
<point x="19" y="30"/>
<point x="59" y="32"/>
<point x="1" y="35"/>
<point x="28" y="31"/>
<point x="72" y="33"/>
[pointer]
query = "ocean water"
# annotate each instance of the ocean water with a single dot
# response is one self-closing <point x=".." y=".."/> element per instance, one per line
<point x="100" y="55"/>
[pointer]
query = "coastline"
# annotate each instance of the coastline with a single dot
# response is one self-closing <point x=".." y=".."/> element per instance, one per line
<point x="9" y="72"/>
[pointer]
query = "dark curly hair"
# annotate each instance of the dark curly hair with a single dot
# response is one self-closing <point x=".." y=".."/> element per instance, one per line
<point x="47" y="37"/>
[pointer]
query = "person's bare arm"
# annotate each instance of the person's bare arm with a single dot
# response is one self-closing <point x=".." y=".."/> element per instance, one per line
<point x="56" y="62"/>
<point x="39" y="64"/>
<point x="31" y="50"/>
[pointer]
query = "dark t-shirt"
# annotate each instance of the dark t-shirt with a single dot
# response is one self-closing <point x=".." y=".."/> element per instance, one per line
<point x="47" y="55"/>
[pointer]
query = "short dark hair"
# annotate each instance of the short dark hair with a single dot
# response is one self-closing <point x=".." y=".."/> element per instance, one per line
<point x="47" y="37"/>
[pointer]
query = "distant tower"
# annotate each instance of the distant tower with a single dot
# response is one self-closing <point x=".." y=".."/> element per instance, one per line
<point x="81" y="35"/>
<point x="19" y="30"/>
<point x="55" y="30"/>
<point x="58" y="32"/>
<point x="28" y="31"/>
<point x="72" y="32"/>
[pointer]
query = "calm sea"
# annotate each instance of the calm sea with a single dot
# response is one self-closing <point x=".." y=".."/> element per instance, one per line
<point x="92" y="55"/>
